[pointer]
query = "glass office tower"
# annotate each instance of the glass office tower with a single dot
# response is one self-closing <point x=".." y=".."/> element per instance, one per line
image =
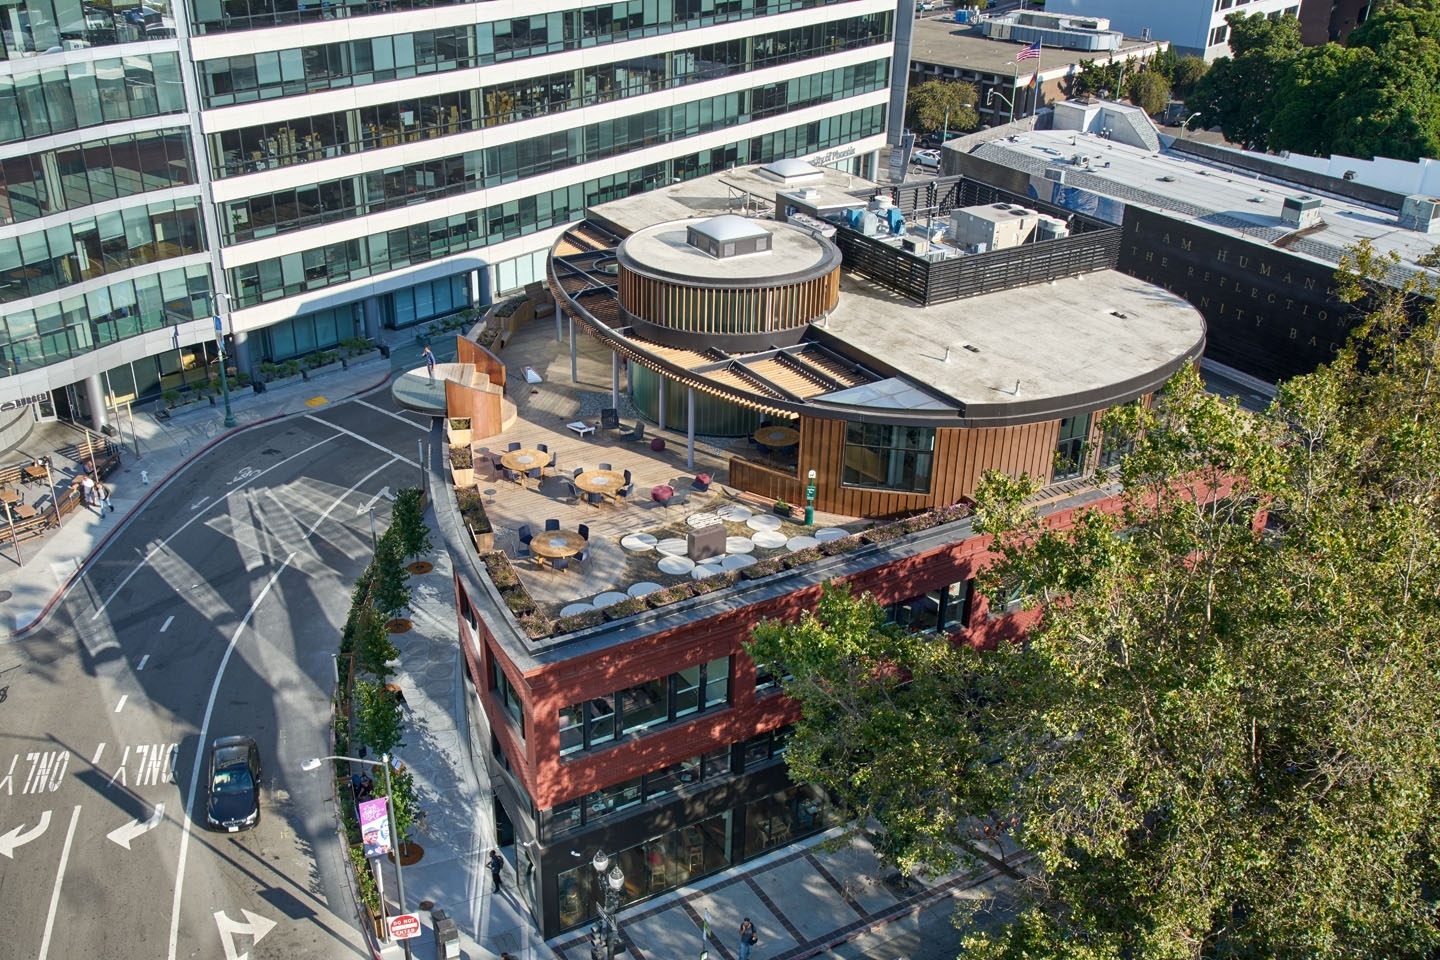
<point x="333" y="168"/>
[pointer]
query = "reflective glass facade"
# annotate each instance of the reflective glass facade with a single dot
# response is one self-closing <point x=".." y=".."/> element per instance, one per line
<point x="220" y="16"/>
<point x="36" y="185"/>
<point x="76" y="325"/>
<point x="283" y="73"/>
<point x="45" y="260"/>
<point x="354" y="259"/>
<point x="333" y="200"/>
<point x="77" y="95"/>
<point x="714" y="417"/>
<point x="51" y="26"/>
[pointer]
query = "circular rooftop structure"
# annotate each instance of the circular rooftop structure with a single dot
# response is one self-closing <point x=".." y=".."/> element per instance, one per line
<point x="728" y="281"/>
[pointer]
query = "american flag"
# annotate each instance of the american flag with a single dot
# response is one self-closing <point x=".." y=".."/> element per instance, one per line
<point x="1031" y="52"/>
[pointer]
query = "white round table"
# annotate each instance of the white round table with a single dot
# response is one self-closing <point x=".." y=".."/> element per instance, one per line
<point x="575" y="608"/>
<point x="736" y="561"/>
<point x="637" y="542"/>
<point x="704" y="570"/>
<point x="642" y="588"/>
<point x="763" y="521"/>
<point x="676" y="565"/>
<point x="830" y="533"/>
<point x="769" y="538"/>
<point x="673" y="547"/>
<point x="800" y="543"/>
<point x="606" y="599"/>
<point x="734" y="513"/>
<point x="739" y="544"/>
<point x="698" y="520"/>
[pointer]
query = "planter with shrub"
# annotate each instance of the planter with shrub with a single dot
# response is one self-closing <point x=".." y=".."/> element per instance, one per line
<point x="462" y="467"/>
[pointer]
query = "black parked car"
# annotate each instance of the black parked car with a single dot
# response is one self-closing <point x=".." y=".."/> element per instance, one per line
<point x="234" y="801"/>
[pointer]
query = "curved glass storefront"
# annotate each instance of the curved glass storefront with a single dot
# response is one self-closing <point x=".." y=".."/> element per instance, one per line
<point x="713" y="417"/>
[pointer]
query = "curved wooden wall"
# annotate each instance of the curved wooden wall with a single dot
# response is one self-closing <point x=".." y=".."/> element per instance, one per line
<point x="729" y="310"/>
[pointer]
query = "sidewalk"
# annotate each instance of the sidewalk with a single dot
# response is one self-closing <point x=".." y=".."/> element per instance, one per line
<point x="804" y="901"/>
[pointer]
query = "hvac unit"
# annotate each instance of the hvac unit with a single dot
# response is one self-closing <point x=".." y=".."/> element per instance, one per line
<point x="1055" y="174"/>
<point x="1420" y="213"/>
<point x="1302" y="211"/>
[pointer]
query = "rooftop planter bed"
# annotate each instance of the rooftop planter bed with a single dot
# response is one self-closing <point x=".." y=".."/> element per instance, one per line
<point x="538" y="624"/>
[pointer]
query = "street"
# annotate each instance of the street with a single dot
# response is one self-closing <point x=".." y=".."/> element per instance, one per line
<point x="215" y="611"/>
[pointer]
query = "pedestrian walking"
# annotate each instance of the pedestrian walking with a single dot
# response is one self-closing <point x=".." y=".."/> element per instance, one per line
<point x="748" y="938"/>
<point x="87" y="490"/>
<point x="104" y="492"/>
<point x="429" y="362"/>
<point x="496" y="865"/>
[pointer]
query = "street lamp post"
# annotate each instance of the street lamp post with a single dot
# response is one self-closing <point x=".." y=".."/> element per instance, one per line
<point x="611" y="882"/>
<point x="384" y="762"/>
<point x="220" y="346"/>
<point x="1185" y="124"/>
<point x="990" y="94"/>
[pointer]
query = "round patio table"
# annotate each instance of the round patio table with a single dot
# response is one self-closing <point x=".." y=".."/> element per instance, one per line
<point x="607" y="482"/>
<point x="523" y="461"/>
<point x="777" y="437"/>
<point x="557" y="543"/>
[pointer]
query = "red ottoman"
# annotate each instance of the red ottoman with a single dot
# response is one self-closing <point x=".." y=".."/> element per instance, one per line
<point x="658" y="445"/>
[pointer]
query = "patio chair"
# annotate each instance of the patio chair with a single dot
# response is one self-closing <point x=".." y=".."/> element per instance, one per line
<point x="523" y="538"/>
<point x="552" y="524"/>
<point x="577" y="471"/>
<point x="628" y="478"/>
<point x="596" y="498"/>
<point x="535" y="474"/>
<point x="638" y="433"/>
<point x="662" y="494"/>
<point x="610" y="419"/>
<point x="514" y="446"/>
<point x="570" y="485"/>
<point x="606" y="466"/>
<point x="542" y="448"/>
<point x="561" y="563"/>
<point x="583" y="555"/>
<point x="512" y="475"/>
<point x="553" y="457"/>
<point x="584" y="531"/>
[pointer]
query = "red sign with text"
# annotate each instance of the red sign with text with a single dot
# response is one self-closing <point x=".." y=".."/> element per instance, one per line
<point x="405" y="926"/>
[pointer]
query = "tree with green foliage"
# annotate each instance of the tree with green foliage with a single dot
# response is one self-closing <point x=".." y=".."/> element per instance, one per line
<point x="390" y="590"/>
<point x="1218" y="738"/>
<point x="865" y="688"/>
<point x="408" y="518"/>
<point x="1149" y="91"/>
<point x="373" y="646"/>
<point x="402" y="799"/>
<point x="929" y="104"/>
<point x="1095" y="77"/>
<point x="377" y="719"/>
<point x="1237" y="93"/>
<point x="1185" y="73"/>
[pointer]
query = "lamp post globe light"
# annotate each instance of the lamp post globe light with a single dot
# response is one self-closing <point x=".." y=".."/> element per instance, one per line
<point x="384" y="763"/>
<point x="612" y="883"/>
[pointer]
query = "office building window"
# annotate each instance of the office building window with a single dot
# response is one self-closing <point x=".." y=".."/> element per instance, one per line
<point x="888" y="457"/>
<point x="935" y="611"/>
<point x="645" y="705"/>
<point x="1070" y="448"/>
<point x="508" y="696"/>
<point x="89" y="93"/>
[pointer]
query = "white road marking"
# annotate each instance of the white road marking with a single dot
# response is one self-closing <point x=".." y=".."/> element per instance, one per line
<point x="59" y="877"/>
<point x="391" y="413"/>
<point x="365" y="440"/>
<point x="181" y="529"/>
<point x="20" y="836"/>
<point x="204" y="737"/>
<point x="141" y="665"/>
<point x="166" y="625"/>
<point x="124" y="833"/>
<point x="199" y="503"/>
<point x="384" y="494"/>
<point x="95" y="760"/>
<point x="121" y="705"/>
<point x="257" y="927"/>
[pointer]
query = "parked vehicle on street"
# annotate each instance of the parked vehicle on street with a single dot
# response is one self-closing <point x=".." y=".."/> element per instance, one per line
<point x="929" y="159"/>
<point x="233" y="803"/>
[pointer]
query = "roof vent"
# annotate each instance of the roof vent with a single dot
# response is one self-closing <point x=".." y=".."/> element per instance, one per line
<point x="1302" y="211"/>
<point x="728" y="236"/>
<point x="1420" y="213"/>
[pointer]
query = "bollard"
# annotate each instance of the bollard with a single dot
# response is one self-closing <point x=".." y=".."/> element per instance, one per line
<point x="145" y="477"/>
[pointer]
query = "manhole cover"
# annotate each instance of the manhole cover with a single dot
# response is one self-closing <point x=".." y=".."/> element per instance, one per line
<point x="421" y="567"/>
<point x="399" y="625"/>
<point x="427" y="904"/>
<point x="5" y="595"/>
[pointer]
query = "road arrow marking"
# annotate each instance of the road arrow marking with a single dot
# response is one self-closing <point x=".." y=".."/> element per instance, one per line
<point x="383" y="494"/>
<point x="15" y="838"/>
<point x="134" y="829"/>
<point x="257" y="927"/>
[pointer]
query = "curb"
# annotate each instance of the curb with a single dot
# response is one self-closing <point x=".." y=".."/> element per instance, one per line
<point x="155" y="488"/>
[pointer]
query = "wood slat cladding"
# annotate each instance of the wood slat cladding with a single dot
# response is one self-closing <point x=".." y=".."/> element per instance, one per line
<point x="763" y="308"/>
<point x="788" y="377"/>
<point x="960" y="456"/>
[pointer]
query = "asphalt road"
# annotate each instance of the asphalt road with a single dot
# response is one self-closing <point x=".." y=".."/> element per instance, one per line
<point x="215" y="611"/>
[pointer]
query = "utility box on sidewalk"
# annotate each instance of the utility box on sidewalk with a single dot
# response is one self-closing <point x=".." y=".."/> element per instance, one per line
<point x="447" y="936"/>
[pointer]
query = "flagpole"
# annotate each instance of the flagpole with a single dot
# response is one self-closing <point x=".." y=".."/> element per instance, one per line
<point x="1039" y="52"/>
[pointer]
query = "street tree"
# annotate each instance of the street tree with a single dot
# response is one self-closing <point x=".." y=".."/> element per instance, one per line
<point x="374" y="649"/>
<point x="1237" y="92"/>
<point x="408" y="518"/>
<point x="929" y="104"/>
<point x="879" y="729"/>
<point x="1185" y="73"/>
<point x="1149" y="91"/>
<point x="390" y="591"/>
<point x="1093" y="77"/>
<point x="378" y="720"/>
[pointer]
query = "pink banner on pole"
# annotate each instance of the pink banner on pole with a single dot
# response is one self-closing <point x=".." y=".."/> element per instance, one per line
<point x="375" y="827"/>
